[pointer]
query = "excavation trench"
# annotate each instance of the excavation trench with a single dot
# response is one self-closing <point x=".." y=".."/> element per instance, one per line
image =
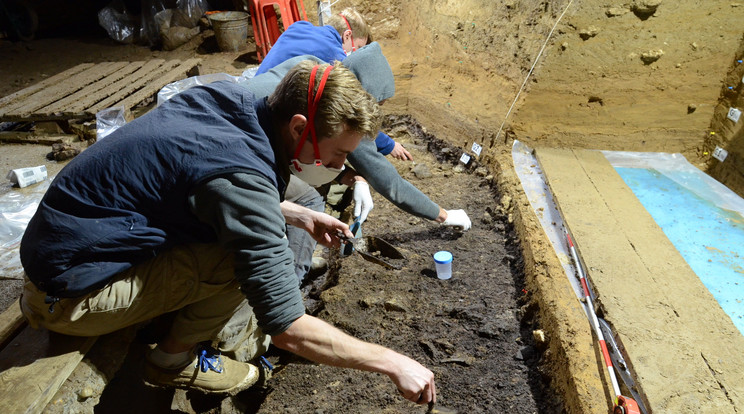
<point x="458" y="67"/>
<point x="474" y="331"/>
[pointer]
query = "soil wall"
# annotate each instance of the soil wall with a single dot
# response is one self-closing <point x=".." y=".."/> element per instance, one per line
<point x="618" y="77"/>
<point x="726" y="133"/>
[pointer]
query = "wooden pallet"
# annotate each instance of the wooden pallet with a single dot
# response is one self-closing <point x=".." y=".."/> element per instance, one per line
<point x="34" y="363"/>
<point x="81" y="91"/>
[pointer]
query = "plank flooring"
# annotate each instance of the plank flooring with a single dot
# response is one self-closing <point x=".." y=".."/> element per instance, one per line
<point x="83" y="90"/>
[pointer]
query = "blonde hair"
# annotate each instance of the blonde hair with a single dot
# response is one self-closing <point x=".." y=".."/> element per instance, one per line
<point x="359" y="28"/>
<point x="343" y="103"/>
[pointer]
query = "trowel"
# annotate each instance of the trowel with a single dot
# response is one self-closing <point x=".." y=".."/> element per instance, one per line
<point x="439" y="409"/>
<point x="372" y="249"/>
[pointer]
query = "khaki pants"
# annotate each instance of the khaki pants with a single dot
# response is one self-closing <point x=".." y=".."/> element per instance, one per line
<point x="197" y="280"/>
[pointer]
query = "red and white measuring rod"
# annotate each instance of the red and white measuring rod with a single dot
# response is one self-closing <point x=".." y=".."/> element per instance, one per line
<point x="593" y="318"/>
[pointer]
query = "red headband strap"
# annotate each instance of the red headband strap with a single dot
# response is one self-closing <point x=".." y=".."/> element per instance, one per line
<point x="353" y="48"/>
<point x="312" y="106"/>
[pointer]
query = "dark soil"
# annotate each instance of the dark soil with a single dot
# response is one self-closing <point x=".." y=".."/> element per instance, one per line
<point x="472" y="331"/>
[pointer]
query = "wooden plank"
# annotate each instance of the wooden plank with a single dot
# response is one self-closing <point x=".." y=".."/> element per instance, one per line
<point x="86" y="94"/>
<point x="153" y="87"/>
<point x="11" y="321"/>
<point x="34" y="365"/>
<point x="42" y="85"/>
<point x="685" y="350"/>
<point x="62" y="89"/>
<point x="41" y="117"/>
<point x="16" y="137"/>
<point x="149" y="71"/>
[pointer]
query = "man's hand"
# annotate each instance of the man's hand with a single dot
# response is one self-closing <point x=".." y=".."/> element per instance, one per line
<point x="414" y="381"/>
<point x="401" y="153"/>
<point x="318" y="341"/>
<point x="322" y="227"/>
<point x="458" y="219"/>
<point x="363" y="203"/>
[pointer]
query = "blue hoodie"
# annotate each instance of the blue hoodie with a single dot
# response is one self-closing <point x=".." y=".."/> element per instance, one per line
<point x="304" y="38"/>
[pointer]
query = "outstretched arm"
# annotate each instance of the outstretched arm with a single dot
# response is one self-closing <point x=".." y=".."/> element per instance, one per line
<point x="318" y="341"/>
<point x="384" y="178"/>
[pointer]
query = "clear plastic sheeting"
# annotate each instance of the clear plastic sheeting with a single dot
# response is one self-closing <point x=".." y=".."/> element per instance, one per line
<point x="541" y="199"/>
<point x="16" y="210"/>
<point x="109" y="120"/>
<point x="676" y="168"/>
<point x="170" y="90"/>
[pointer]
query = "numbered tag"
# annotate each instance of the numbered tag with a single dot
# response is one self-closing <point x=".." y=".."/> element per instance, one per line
<point x="465" y="158"/>
<point x="734" y="114"/>
<point x="720" y="154"/>
<point x="476" y="148"/>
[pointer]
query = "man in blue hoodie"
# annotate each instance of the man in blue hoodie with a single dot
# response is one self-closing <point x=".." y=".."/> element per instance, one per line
<point x="181" y="210"/>
<point x="344" y="33"/>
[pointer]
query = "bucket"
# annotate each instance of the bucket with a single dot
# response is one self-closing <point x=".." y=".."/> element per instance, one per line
<point x="230" y="29"/>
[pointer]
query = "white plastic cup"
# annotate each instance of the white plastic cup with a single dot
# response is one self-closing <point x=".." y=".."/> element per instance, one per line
<point x="443" y="263"/>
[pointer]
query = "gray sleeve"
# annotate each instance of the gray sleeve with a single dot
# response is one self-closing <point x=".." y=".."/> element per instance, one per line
<point x="243" y="209"/>
<point x="384" y="178"/>
<point x="264" y="84"/>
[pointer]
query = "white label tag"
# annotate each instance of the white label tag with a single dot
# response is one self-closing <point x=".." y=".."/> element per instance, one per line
<point x="734" y="114"/>
<point x="465" y="158"/>
<point x="24" y="177"/>
<point x="720" y="154"/>
<point x="476" y="149"/>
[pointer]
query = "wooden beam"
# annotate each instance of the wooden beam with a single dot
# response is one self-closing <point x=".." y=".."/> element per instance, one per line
<point x="149" y="72"/>
<point x="16" y="137"/>
<point x="173" y="75"/>
<point x="34" y="365"/>
<point x="11" y="321"/>
<point x="42" y="85"/>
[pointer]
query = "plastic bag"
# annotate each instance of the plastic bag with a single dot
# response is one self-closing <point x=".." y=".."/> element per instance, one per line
<point x="119" y="23"/>
<point x="109" y="120"/>
<point x="145" y="28"/>
<point x="170" y="90"/>
<point x="16" y="210"/>
<point x="185" y="14"/>
<point x="176" y="28"/>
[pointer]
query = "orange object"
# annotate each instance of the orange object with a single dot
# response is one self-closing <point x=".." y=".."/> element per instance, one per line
<point x="266" y="22"/>
<point x="295" y="10"/>
<point x="626" y="405"/>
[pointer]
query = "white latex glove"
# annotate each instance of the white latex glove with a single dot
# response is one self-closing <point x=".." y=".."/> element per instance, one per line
<point x="362" y="201"/>
<point x="457" y="218"/>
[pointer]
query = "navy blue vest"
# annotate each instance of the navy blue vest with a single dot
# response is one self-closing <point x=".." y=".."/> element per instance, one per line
<point x="124" y="199"/>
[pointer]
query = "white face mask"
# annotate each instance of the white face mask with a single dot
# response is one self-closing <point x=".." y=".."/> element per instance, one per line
<point x="315" y="174"/>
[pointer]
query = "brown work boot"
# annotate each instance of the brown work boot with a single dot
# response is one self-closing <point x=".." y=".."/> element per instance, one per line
<point x="209" y="372"/>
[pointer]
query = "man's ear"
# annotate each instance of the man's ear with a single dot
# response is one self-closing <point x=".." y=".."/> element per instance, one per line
<point x="296" y="125"/>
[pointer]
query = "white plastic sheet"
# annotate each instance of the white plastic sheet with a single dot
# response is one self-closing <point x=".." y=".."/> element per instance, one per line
<point x="16" y="210"/>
